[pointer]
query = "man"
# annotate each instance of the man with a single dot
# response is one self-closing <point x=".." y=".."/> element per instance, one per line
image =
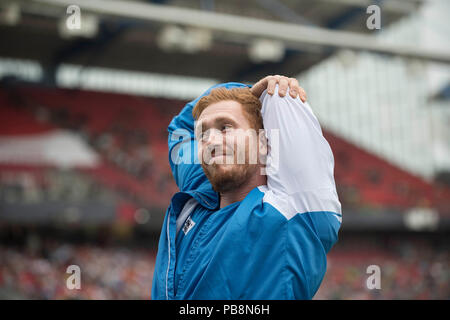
<point x="247" y="229"/>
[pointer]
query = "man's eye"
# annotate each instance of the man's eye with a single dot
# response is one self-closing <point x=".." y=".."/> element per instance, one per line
<point x="226" y="127"/>
<point x="203" y="136"/>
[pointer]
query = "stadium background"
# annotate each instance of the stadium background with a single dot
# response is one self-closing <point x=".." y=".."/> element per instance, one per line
<point x="84" y="175"/>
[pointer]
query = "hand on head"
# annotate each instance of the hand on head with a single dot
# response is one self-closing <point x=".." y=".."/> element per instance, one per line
<point x="283" y="82"/>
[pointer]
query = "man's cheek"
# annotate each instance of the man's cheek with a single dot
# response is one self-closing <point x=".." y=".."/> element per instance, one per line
<point x="204" y="156"/>
<point x="200" y="154"/>
<point x="232" y="150"/>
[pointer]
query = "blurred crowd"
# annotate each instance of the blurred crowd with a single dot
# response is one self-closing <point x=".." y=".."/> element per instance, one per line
<point x="409" y="269"/>
<point x="106" y="273"/>
<point x="50" y="184"/>
<point x="121" y="142"/>
<point x="126" y="132"/>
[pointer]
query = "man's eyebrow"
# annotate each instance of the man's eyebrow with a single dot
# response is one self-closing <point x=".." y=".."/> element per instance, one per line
<point x="224" y="119"/>
<point x="217" y="120"/>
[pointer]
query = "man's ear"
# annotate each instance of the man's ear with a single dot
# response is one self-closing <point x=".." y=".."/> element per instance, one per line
<point x="262" y="146"/>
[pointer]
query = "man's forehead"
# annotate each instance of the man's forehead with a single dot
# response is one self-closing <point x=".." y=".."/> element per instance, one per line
<point x="221" y="111"/>
<point x="225" y="107"/>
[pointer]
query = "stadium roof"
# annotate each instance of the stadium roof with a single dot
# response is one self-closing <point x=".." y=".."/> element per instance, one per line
<point x="125" y="40"/>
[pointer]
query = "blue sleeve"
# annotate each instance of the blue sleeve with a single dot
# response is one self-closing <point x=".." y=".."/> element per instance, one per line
<point x="183" y="159"/>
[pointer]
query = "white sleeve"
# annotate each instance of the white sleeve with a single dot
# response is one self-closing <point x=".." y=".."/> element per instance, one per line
<point x="300" y="162"/>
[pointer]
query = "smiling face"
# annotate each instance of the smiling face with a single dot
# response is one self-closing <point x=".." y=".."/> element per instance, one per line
<point x="227" y="145"/>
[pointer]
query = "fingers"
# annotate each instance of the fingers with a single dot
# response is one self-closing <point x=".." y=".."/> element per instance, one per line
<point x="259" y="87"/>
<point x="293" y="87"/>
<point x="302" y="94"/>
<point x="270" y="82"/>
<point x="283" y="85"/>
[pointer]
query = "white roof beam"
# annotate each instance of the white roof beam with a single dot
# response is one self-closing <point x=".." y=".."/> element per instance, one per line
<point x="293" y="34"/>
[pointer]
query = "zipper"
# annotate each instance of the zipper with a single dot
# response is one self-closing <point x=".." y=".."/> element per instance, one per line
<point x="168" y="254"/>
<point x="203" y="199"/>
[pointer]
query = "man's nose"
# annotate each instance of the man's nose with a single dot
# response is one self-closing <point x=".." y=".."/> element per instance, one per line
<point x="215" y="137"/>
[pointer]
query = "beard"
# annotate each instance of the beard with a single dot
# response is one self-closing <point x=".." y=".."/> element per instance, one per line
<point x="228" y="177"/>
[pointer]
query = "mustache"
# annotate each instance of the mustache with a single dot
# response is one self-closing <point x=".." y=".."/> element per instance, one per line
<point x="210" y="153"/>
<point x="214" y="150"/>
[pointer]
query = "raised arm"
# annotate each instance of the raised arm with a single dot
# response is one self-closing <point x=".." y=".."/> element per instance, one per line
<point x="300" y="164"/>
